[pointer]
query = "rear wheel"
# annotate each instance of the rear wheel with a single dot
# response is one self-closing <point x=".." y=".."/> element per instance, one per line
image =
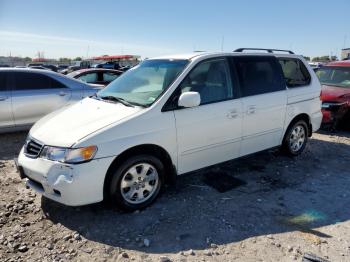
<point x="137" y="182"/>
<point x="296" y="138"/>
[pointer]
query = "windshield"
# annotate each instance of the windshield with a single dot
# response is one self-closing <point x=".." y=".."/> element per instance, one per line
<point x="336" y="76"/>
<point x="144" y="83"/>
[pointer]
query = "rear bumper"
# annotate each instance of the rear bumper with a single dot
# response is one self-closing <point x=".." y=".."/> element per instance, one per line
<point x="316" y="119"/>
<point x="71" y="185"/>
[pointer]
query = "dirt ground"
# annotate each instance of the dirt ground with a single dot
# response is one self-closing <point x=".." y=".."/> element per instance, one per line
<point x="283" y="208"/>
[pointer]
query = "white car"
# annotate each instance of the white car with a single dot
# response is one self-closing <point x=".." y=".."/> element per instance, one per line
<point x="169" y="116"/>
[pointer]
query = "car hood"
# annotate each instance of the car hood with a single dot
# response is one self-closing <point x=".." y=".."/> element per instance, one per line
<point x="70" y="124"/>
<point x="334" y="93"/>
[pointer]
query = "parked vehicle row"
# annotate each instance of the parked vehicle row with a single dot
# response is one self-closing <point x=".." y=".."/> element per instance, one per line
<point x="169" y="116"/>
<point x="26" y="95"/>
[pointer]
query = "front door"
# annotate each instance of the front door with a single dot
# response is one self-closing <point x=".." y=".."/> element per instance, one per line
<point x="6" y="117"/>
<point x="210" y="133"/>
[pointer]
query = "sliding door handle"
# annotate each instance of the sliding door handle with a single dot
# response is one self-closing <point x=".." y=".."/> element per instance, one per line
<point x="251" y="110"/>
<point x="3" y="98"/>
<point x="232" y="114"/>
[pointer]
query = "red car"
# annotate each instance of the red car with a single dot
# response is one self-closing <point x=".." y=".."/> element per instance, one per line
<point x="335" y="94"/>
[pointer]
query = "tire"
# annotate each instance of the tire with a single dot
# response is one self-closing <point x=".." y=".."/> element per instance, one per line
<point x="136" y="183"/>
<point x="295" y="139"/>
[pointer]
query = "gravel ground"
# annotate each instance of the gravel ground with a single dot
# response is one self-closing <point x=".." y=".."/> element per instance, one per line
<point x="285" y="208"/>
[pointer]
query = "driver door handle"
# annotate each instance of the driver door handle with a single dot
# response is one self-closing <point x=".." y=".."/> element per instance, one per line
<point x="62" y="93"/>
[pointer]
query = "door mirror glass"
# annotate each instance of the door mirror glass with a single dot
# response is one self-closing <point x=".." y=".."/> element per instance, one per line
<point x="189" y="99"/>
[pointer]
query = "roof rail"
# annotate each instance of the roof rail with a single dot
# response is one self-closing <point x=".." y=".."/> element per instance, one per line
<point x="269" y="50"/>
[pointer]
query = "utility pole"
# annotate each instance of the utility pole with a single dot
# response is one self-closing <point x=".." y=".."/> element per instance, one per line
<point x="222" y="43"/>
<point x="87" y="52"/>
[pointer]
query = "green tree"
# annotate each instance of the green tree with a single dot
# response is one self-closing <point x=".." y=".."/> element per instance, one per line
<point x="64" y="60"/>
<point x="78" y="58"/>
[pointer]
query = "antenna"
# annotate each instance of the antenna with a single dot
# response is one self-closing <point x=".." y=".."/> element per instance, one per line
<point x="87" y="51"/>
<point x="345" y="38"/>
<point x="222" y="43"/>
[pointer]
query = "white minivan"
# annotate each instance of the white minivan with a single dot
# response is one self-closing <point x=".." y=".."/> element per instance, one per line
<point x="169" y="116"/>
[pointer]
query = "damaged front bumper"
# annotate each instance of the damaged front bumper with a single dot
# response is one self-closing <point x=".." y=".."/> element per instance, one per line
<point x="72" y="185"/>
<point x="333" y="112"/>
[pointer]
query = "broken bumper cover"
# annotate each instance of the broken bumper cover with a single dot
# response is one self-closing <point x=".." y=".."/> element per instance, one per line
<point x="334" y="111"/>
<point x="71" y="185"/>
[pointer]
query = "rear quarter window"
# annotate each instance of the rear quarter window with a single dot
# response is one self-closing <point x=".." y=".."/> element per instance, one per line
<point x="295" y="72"/>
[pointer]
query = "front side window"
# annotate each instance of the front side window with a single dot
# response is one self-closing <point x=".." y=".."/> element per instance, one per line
<point x="211" y="79"/>
<point x="295" y="72"/>
<point x="89" y="78"/>
<point x="258" y="75"/>
<point x="334" y="76"/>
<point x="144" y="83"/>
<point x="31" y="81"/>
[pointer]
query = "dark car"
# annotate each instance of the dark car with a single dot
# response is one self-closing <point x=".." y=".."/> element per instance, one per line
<point x="70" y="69"/>
<point x="51" y="67"/>
<point x="109" y="65"/>
<point x="38" y="67"/>
<point x="96" y="76"/>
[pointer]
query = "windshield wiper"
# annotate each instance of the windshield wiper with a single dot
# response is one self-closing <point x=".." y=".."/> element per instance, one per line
<point x="117" y="99"/>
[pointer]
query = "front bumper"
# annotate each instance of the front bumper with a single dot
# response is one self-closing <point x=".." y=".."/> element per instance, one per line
<point x="334" y="111"/>
<point x="72" y="185"/>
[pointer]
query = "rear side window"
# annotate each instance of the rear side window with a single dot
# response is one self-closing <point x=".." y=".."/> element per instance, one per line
<point x="295" y="72"/>
<point x="32" y="81"/>
<point x="258" y="75"/>
<point x="56" y="84"/>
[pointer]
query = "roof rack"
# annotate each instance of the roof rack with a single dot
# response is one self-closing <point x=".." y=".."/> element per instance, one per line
<point x="264" y="49"/>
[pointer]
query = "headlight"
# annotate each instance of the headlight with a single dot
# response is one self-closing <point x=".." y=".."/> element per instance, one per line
<point x="69" y="155"/>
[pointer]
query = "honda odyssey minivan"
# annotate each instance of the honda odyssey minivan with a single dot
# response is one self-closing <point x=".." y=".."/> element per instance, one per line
<point x="169" y="116"/>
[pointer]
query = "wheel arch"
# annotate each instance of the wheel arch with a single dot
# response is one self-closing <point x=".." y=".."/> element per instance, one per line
<point x="304" y="117"/>
<point x="148" y="149"/>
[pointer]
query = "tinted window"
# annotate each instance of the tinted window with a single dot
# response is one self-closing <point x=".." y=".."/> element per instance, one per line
<point x="258" y="75"/>
<point x="57" y="84"/>
<point x="295" y="72"/>
<point x="29" y="81"/>
<point x="3" y="86"/>
<point x="211" y="80"/>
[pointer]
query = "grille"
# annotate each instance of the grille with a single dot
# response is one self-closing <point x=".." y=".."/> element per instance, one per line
<point x="32" y="148"/>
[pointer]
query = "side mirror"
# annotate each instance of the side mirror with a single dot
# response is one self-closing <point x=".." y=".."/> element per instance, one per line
<point x="189" y="99"/>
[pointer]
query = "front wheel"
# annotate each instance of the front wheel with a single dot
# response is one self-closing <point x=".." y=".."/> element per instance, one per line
<point x="296" y="138"/>
<point x="137" y="182"/>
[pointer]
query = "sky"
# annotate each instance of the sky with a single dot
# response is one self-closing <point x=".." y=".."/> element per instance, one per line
<point x="85" y="28"/>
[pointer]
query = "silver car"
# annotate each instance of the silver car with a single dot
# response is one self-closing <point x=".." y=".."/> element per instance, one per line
<point x="26" y="95"/>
